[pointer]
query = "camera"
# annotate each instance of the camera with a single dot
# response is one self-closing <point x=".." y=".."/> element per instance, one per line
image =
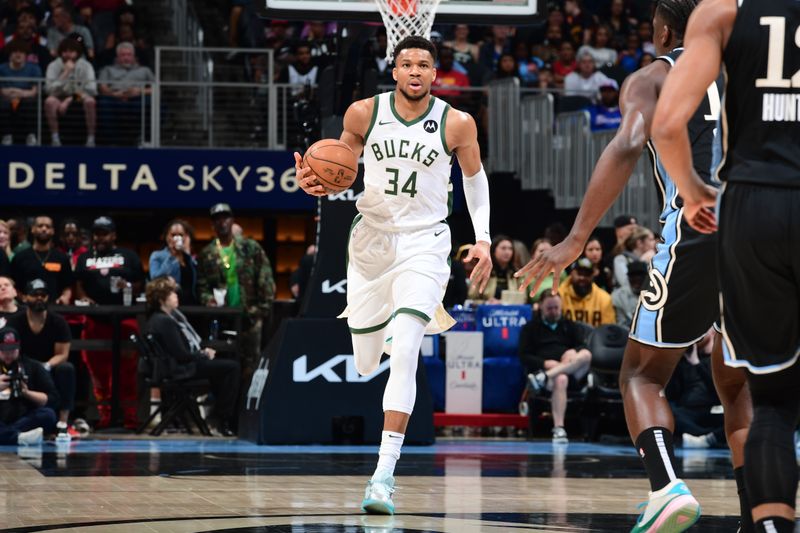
<point x="16" y="376"/>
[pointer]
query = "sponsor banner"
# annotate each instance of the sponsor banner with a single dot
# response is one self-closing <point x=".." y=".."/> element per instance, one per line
<point x="464" y="376"/>
<point x="149" y="178"/>
<point x="307" y="390"/>
<point x="501" y="325"/>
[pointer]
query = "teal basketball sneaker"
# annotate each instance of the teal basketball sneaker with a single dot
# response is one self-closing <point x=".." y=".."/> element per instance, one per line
<point x="669" y="510"/>
<point x="378" y="497"/>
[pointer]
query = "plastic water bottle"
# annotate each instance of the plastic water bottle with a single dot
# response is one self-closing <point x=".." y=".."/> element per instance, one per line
<point x="127" y="295"/>
<point x="213" y="330"/>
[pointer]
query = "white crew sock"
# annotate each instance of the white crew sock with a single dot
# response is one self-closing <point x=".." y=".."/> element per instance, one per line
<point x="388" y="454"/>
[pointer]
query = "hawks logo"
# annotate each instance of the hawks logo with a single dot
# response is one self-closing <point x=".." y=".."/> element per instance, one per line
<point x="431" y="126"/>
<point x="10" y="338"/>
<point x="655" y="297"/>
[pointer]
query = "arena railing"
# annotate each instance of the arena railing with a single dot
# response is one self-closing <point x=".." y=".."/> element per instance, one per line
<point x="118" y="121"/>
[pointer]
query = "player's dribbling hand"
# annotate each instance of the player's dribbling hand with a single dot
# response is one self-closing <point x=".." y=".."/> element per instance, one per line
<point x="554" y="260"/>
<point x="306" y="179"/>
<point x="699" y="209"/>
<point x="482" y="271"/>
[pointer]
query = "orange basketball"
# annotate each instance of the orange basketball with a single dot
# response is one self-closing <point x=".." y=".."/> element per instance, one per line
<point x="334" y="164"/>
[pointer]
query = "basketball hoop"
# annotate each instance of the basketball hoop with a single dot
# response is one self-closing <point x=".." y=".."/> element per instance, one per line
<point x="406" y="17"/>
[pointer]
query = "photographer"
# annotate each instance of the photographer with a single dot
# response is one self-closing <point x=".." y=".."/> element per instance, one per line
<point x="46" y="337"/>
<point x="27" y="395"/>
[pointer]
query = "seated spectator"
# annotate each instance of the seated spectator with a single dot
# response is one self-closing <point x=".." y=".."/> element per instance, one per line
<point x="551" y="47"/>
<point x="179" y="339"/>
<point x="605" y="115"/>
<point x="626" y="298"/>
<point x="538" y="248"/>
<point x="19" y="98"/>
<point x="70" y="241"/>
<point x="99" y="14"/>
<point x="553" y="351"/>
<point x="44" y="261"/>
<point x="578" y="21"/>
<point x="8" y="300"/>
<point x="26" y="32"/>
<point x="547" y="79"/>
<point x="618" y="22"/>
<point x="124" y="34"/>
<point x="603" y="277"/>
<point x="374" y="58"/>
<point x="691" y="395"/>
<point x="507" y="67"/>
<point x="527" y="63"/>
<point x="502" y="277"/>
<point x="70" y="79"/>
<point x="646" y="59"/>
<point x="639" y="246"/>
<point x="175" y="260"/>
<point x="103" y="274"/>
<point x="18" y="226"/>
<point x="280" y="39"/>
<point x="320" y="44"/>
<point x="521" y="254"/>
<point x="464" y="52"/>
<point x="63" y="26"/>
<point x="623" y="227"/>
<point x="124" y="89"/>
<point x="645" y="31"/>
<point x="302" y="71"/>
<point x="585" y="80"/>
<point x="600" y="48"/>
<point x="45" y="337"/>
<point x="494" y="47"/>
<point x="629" y="58"/>
<point x="582" y="300"/>
<point x="565" y="64"/>
<point x="449" y="80"/>
<point x="5" y="242"/>
<point x="26" y="405"/>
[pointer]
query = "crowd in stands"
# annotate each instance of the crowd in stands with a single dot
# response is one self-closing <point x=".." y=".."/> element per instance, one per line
<point x="85" y="63"/>
<point x="42" y="265"/>
<point x="580" y="49"/>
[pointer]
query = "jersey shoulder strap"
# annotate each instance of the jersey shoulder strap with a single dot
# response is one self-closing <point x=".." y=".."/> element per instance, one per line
<point x="671" y="57"/>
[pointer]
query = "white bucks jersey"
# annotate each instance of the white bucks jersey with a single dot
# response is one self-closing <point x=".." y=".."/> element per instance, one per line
<point x="406" y="167"/>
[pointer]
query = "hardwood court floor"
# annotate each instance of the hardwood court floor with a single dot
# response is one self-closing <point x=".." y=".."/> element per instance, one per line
<point x="456" y="485"/>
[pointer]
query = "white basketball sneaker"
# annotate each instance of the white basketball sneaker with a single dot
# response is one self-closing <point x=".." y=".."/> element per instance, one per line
<point x="378" y="496"/>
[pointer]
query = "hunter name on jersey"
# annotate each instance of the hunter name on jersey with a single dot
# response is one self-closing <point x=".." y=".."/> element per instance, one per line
<point x="394" y="148"/>
<point x="780" y="107"/>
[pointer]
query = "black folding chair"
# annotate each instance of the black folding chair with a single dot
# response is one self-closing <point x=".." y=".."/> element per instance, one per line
<point x="178" y="396"/>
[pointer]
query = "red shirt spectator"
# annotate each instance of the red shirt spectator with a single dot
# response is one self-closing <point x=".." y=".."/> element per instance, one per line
<point x="566" y="62"/>
<point x="446" y="76"/>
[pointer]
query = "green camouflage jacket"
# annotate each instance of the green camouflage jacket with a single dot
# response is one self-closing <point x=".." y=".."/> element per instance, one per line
<point x="256" y="283"/>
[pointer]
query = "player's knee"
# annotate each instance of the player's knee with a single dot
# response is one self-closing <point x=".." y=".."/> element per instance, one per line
<point x="569" y="354"/>
<point x="366" y="365"/>
<point x="561" y="381"/>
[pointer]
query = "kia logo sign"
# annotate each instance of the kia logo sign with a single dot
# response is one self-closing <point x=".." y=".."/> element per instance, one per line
<point x="345" y="196"/>
<point x="340" y="287"/>
<point x="328" y="370"/>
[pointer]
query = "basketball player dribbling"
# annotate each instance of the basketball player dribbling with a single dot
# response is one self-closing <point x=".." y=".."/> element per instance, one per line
<point x="682" y="301"/>
<point x="399" y="245"/>
<point x="756" y="42"/>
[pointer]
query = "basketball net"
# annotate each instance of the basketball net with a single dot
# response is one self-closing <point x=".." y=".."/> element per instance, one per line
<point x="406" y="17"/>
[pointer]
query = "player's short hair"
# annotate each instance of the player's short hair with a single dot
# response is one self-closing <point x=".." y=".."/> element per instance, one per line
<point x="414" y="41"/>
<point x="676" y="14"/>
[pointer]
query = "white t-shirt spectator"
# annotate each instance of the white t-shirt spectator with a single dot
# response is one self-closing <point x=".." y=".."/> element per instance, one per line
<point x="602" y="56"/>
<point x="577" y="85"/>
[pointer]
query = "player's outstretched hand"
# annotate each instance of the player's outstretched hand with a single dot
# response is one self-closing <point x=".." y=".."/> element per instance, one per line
<point x="482" y="271"/>
<point x="306" y="179"/>
<point x="554" y="260"/>
<point x="699" y="210"/>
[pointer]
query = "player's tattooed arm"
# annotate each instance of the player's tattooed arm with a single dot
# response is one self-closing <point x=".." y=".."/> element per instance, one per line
<point x="611" y="172"/>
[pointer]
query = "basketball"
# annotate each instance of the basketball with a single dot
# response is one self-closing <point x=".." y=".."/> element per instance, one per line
<point x="334" y="164"/>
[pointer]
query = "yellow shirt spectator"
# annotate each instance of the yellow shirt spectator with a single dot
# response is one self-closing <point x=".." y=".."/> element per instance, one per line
<point x="583" y="301"/>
